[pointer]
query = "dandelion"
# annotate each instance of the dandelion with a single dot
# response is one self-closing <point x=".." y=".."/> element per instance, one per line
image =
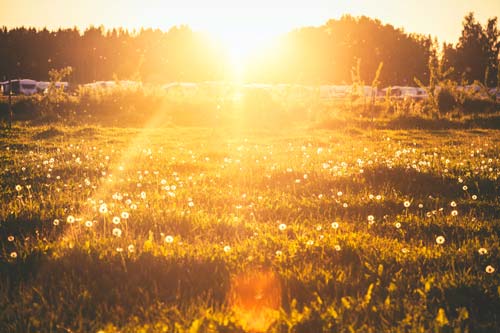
<point x="465" y="188"/>
<point x="103" y="208"/>
<point x="318" y="228"/>
<point x="489" y="269"/>
<point x="131" y="248"/>
<point x="169" y="239"/>
<point x="10" y="238"/>
<point x="398" y="225"/>
<point x="279" y="253"/>
<point x="482" y="251"/>
<point x="337" y="247"/>
<point x="371" y="219"/>
<point x="339" y="193"/>
<point x="119" y="249"/>
<point x="13" y="255"/>
<point x="56" y="222"/>
<point x="227" y="248"/>
<point x="407" y="204"/>
<point x="125" y="215"/>
<point x="143" y="195"/>
<point x="440" y="240"/>
<point x="70" y="219"/>
<point x="117" y="232"/>
<point x="474" y="197"/>
<point x="282" y="226"/>
<point x="420" y="206"/>
<point x="405" y="250"/>
<point x="88" y="224"/>
<point x="454" y="213"/>
<point x="345" y="205"/>
<point x="133" y="206"/>
<point x="191" y="204"/>
<point x="335" y="225"/>
<point x="453" y="204"/>
<point x="19" y="188"/>
<point x="116" y="220"/>
<point x="310" y="242"/>
<point x="378" y="197"/>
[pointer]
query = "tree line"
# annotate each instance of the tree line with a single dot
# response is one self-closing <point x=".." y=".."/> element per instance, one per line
<point x="325" y="54"/>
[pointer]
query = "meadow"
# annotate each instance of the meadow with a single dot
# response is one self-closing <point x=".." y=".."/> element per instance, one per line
<point x="230" y="229"/>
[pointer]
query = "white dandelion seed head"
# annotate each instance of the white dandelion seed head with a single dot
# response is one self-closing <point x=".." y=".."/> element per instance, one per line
<point x="116" y="220"/>
<point x="70" y="219"/>
<point x="440" y="240"/>
<point x="282" y="227"/>
<point x="169" y="239"/>
<point x="117" y="232"/>
<point x="227" y="248"/>
<point x="482" y="251"/>
<point x="335" y="225"/>
<point x="490" y="269"/>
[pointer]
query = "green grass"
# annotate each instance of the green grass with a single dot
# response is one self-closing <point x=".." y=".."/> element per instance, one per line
<point x="241" y="204"/>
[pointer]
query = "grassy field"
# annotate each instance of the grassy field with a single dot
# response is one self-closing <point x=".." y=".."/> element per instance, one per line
<point x="216" y="230"/>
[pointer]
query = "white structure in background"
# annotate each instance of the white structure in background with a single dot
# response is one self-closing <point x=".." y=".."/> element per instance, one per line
<point x="19" y="87"/>
<point x="404" y="92"/>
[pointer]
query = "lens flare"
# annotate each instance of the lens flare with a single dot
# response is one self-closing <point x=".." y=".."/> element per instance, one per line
<point x="255" y="299"/>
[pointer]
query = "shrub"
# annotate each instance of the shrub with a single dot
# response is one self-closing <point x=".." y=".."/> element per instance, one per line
<point x="446" y="100"/>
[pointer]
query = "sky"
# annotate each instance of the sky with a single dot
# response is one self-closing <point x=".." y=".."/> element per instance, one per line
<point x="233" y="20"/>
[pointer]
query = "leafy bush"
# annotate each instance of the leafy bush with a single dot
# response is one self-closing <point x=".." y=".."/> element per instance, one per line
<point x="446" y="100"/>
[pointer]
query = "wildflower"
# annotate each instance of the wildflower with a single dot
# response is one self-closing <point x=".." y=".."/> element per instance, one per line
<point x="19" y="188"/>
<point x="406" y="204"/>
<point x="453" y="204"/>
<point x="103" y="209"/>
<point x="474" y="197"/>
<point x="440" y="240"/>
<point x="169" y="239"/>
<point x="335" y="225"/>
<point x="454" y="212"/>
<point x="116" y="220"/>
<point x="13" y="255"/>
<point x="318" y="228"/>
<point x="279" y="253"/>
<point x="56" y="222"/>
<point x="88" y="224"/>
<point x="282" y="226"/>
<point x="398" y="225"/>
<point x="227" y="248"/>
<point x="371" y="219"/>
<point x="489" y="269"/>
<point x="117" y="232"/>
<point x="191" y="204"/>
<point x="345" y="205"/>
<point x="337" y="247"/>
<point x="10" y="238"/>
<point x="125" y="215"/>
<point x="482" y="251"/>
<point x="70" y="219"/>
<point x="465" y="188"/>
<point x="420" y="206"/>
